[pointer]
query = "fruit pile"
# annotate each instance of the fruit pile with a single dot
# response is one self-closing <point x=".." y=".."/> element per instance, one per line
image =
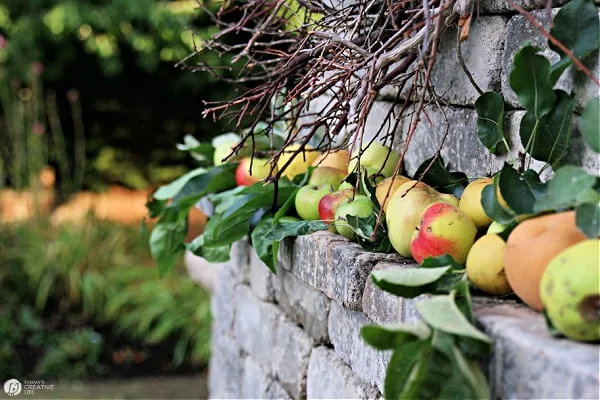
<point x="545" y="260"/>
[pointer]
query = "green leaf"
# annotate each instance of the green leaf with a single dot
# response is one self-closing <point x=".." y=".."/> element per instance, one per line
<point x="516" y="191"/>
<point x="166" y="241"/>
<point x="567" y="185"/>
<point x="587" y="218"/>
<point x="391" y="336"/>
<point x="441" y="261"/>
<point x="364" y="228"/>
<point x="155" y="207"/>
<point x="439" y="178"/>
<point x="530" y="80"/>
<point x="262" y="245"/>
<point x="576" y="26"/>
<point x="416" y="370"/>
<point x="408" y="282"/>
<point x="281" y="213"/>
<point x="215" y="179"/>
<point x="491" y="205"/>
<point x="169" y="191"/>
<point x="471" y="372"/>
<point x="550" y="140"/>
<point x="463" y="300"/>
<point x="490" y="119"/>
<point x="205" y="246"/>
<point x="442" y="313"/>
<point x="284" y="229"/>
<point x="590" y="124"/>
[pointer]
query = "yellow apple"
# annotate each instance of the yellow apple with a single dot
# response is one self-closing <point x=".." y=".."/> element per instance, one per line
<point x="327" y="176"/>
<point x="381" y="190"/>
<point x="485" y="265"/>
<point x="335" y="159"/>
<point x="376" y="158"/>
<point x="470" y="202"/>
<point x="300" y="161"/>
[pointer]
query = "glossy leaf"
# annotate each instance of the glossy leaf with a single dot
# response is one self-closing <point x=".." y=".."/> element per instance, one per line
<point x="408" y="282"/>
<point x="364" y="228"/>
<point x="471" y="371"/>
<point x="166" y="241"/>
<point x="516" y="191"/>
<point x="564" y="189"/>
<point x="530" y="80"/>
<point x="284" y="229"/>
<point x="169" y="191"/>
<point x="391" y="336"/>
<point x="441" y="261"/>
<point x="262" y="245"/>
<point x="577" y="27"/>
<point x="587" y="217"/>
<point x="490" y="119"/>
<point x="439" y="178"/>
<point x="442" y="313"/>
<point x="492" y="206"/>
<point x="590" y="124"/>
<point x="550" y="140"/>
<point x="215" y="179"/>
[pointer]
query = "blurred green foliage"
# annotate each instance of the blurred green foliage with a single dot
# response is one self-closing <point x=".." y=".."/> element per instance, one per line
<point x="120" y="56"/>
<point x="68" y="292"/>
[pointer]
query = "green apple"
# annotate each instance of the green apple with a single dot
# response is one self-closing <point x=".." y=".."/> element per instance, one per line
<point x="376" y="160"/>
<point x="361" y="206"/>
<point x="444" y="229"/>
<point x="308" y="198"/>
<point x="404" y="212"/>
<point x="327" y="176"/>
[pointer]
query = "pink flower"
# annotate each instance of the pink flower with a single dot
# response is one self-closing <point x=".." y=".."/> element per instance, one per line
<point x="38" y="128"/>
<point x="37" y="68"/>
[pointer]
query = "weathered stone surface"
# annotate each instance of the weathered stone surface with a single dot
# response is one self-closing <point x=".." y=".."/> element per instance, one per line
<point x="226" y="368"/>
<point x="335" y="266"/>
<point x="409" y="309"/>
<point x="272" y="340"/>
<point x="519" y="30"/>
<point x="329" y="378"/>
<point x="290" y="357"/>
<point x="485" y="42"/>
<point x="260" y="277"/>
<point x="380" y="306"/>
<point x="285" y="254"/>
<point x="303" y="304"/>
<point x="503" y="6"/>
<point x="257" y="384"/>
<point x="256" y="325"/>
<point x="222" y="302"/>
<point x="344" y="331"/>
<point x="528" y="363"/>
<point x="239" y="263"/>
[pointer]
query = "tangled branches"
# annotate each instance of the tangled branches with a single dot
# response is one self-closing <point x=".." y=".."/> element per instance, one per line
<point x="319" y="66"/>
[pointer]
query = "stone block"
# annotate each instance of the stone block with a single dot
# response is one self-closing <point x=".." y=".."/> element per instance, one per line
<point x="285" y="254"/>
<point x="260" y="277"/>
<point x="380" y="306"/>
<point x="528" y="363"/>
<point x="329" y="378"/>
<point x="335" y="266"/>
<point x="290" y="357"/>
<point x="226" y="368"/>
<point x="303" y="304"/>
<point x="239" y="262"/>
<point x="222" y="302"/>
<point x="256" y="325"/>
<point x="520" y="30"/>
<point x="482" y="53"/>
<point x="503" y="6"/>
<point x="257" y="384"/>
<point x="344" y="331"/>
<point x="409" y="309"/>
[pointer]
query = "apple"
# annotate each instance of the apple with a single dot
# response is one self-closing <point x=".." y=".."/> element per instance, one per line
<point x="470" y="202"/>
<point x="329" y="204"/>
<point x="300" y="161"/>
<point x="246" y="177"/>
<point x="308" y="198"/>
<point x="335" y="159"/>
<point x="222" y="151"/>
<point x="361" y="206"/>
<point x="404" y="212"/>
<point x="381" y="190"/>
<point x="444" y="229"/>
<point x="327" y="176"/>
<point x="450" y="199"/>
<point x="378" y="160"/>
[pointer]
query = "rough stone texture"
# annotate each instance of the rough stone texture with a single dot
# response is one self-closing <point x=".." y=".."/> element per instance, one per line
<point x="329" y="378"/>
<point x="528" y="363"/>
<point x="290" y="357"/>
<point x="303" y="304"/>
<point x="380" y="306"/>
<point x="344" y="331"/>
<point x="260" y="277"/>
<point x="503" y="6"/>
<point x="518" y="31"/>
<point x="239" y="264"/>
<point x="335" y="266"/>
<point x="222" y="302"/>
<point x="226" y="368"/>
<point x="485" y="42"/>
<point x="257" y="384"/>
<point x="285" y="254"/>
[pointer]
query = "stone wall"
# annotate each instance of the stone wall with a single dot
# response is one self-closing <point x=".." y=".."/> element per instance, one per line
<point x="296" y="334"/>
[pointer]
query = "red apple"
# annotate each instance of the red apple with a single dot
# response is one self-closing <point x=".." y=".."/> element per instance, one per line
<point x="260" y="171"/>
<point x="444" y="229"/>
<point x="330" y="203"/>
<point x="308" y="198"/>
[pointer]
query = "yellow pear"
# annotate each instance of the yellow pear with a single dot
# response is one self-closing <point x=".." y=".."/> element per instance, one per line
<point x="485" y="265"/>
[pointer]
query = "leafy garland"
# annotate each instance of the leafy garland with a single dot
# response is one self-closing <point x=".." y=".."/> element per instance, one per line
<point x="436" y="357"/>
